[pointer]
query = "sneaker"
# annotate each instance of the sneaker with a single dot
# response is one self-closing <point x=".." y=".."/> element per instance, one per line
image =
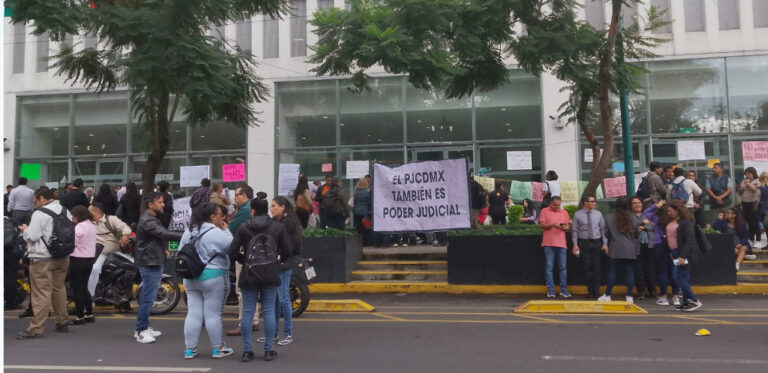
<point x="435" y="243"/>
<point x="263" y="339"/>
<point x="404" y="245"/>
<point x="565" y="294"/>
<point x="604" y="298"/>
<point x="395" y="244"/>
<point x="693" y="306"/>
<point x="641" y="297"/>
<point x="551" y="294"/>
<point x="270" y="355"/>
<point x="749" y="257"/>
<point x="629" y="299"/>
<point x="757" y="245"/>
<point x="27" y="335"/>
<point x="154" y="333"/>
<point x="145" y="337"/>
<point x="675" y="301"/>
<point x="681" y="307"/>
<point x="247" y="356"/>
<point x="285" y="341"/>
<point x="224" y="351"/>
<point x="190" y="353"/>
<point x="662" y="301"/>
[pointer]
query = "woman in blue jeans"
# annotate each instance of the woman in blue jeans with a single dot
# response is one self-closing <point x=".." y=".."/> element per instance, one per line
<point x="622" y="229"/>
<point x="283" y="212"/>
<point x="657" y="214"/>
<point x="681" y="236"/>
<point x="207" y="293"/>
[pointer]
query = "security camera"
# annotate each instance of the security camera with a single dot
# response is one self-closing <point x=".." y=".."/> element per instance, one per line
<point x="552" y="117"/>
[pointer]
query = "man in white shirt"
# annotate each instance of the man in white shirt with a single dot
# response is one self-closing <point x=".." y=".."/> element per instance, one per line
<point x="689" y="186"/>
<point x="21" y="202"/>
<point x="551" y="187"/>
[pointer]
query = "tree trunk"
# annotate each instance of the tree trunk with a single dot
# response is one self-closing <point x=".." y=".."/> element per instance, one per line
<point x="604" y="75"/>
<point x="159" y="132"/>
<point x="581" y="119"/>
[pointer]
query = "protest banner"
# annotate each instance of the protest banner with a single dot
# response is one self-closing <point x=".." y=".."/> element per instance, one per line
<point x="536" y="191"/>
<point x="569" y="191"/>
<point x="233" y="172"/>
<point x="181" y="214"/>
<point x="615" y="186"/>
<point x="421" y="196"/>
<point x="583" y="185"/>
<point x="520" y="190"/>
<point x="327" y="167"/>
<point x="287" y="178"/>
<point x="755" y="150"/>
<point x="488" y="183"/>
<point x="190" y="176"/>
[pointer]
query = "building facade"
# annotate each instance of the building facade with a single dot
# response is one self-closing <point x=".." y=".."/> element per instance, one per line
<point x="711" y="84"/>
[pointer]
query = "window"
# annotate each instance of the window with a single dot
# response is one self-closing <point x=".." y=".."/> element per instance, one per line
<point x="694" y="15"/>
<point x="44" y="126"/>
<point x="595" y="11"/>
<point x="218" y="136"/>
<point x="373" y="116"/>
<point x="271" y="37"/>
<point x="90" y="41"/>
<point x="760" y="12"/>
<point x="325" y="4"/>
<point x="243" y="31"/>
<point x="306" y="113"/>
<point x="663" y="5"/>
<point x="512" y="111"/>
<point x="728" y="14"/>
<point x="628" y="12"/>
<point x="42" y="53"/>
<point x="299" y="28"/>
<point x="433" y="118"/>
<point x="748" y="96"/>
<point x="101" y="123"/>
<point x="19" y="33"/>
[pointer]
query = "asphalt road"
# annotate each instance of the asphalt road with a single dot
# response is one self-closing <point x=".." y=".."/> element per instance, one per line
<point x="428" y="333"/>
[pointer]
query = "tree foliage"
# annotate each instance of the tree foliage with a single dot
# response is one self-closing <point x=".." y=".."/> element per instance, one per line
<point x="161" y="51"/>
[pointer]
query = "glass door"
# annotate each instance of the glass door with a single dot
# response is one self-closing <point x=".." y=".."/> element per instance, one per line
<point x="441" y="153"/>
<point x="110" y="171"/>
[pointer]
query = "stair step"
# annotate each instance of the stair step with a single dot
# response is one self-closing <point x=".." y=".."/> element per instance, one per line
<point x="403" y="265"/>
<point x="752" y="275"/>
<point x="749" y="265"/>
<point x="383" y="256"/>
<point x="388" y="275"/>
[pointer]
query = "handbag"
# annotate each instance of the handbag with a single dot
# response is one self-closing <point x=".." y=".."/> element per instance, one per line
<point x="368" y="221"/>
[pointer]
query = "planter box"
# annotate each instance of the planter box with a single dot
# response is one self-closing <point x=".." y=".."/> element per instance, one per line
<point x="334" y="258"/>
<point x="519" y="260"/>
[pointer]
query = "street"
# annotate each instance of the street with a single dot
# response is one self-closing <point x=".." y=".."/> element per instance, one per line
<point x="427" y="333"/>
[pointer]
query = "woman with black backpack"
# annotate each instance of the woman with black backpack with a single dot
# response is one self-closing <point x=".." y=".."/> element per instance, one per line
<point x="207" y="293"/>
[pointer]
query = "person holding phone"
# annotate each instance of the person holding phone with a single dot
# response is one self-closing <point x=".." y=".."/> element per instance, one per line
<point x="554" y="223"/>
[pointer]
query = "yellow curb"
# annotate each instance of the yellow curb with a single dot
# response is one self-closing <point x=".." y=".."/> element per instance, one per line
<point x="339" y="305"/>
<point x="442" y="287"/>
<point x="404" y="272"/>
<point x="401" y="262"/>
<point x="748" y="273"/>
<point x="555" y="306"/>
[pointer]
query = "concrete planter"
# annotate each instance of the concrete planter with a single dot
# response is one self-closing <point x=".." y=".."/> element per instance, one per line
<point x="334" y="258"/>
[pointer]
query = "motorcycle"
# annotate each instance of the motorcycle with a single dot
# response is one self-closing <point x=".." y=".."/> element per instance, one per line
<point x="116" y="283"/>
<point x="301" y="276"/>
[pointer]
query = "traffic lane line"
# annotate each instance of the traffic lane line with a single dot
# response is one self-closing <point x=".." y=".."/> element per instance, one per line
<point x="654" y="360"/>
<point x="104" y="369"/>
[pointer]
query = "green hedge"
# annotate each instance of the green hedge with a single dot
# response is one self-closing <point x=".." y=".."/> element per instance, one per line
<point x="500" y="230"/>
<point x="329" y="232"/>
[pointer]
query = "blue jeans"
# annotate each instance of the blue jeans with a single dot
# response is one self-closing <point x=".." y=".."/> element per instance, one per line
<point x="150" y="281"/>
<point x="268" y="299"/>
<point x="664" y="268"/>
<point x="628" y="265"/>
<point x="283" y="303"/>
<point x="549" y="258"/>
<point x="205" y="304"/>
<point x="683" y="275"/>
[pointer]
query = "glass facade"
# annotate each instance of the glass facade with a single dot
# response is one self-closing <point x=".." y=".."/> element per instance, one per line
<point x="95" y="138"/>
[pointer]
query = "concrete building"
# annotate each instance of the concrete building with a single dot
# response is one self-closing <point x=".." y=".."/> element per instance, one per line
<point x="711" y="85"/>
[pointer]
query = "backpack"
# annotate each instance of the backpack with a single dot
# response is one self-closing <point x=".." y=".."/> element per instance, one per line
<point x="701" y="240"/>
<point x="545" y="200"/>
<point x="644" y="190"/>
<point x="63" y="234"/>
<point x="479" y="195"/>
<point x="14" y="247"/>
<point x="262" y="261"/>
<point x="333" y="204"/>
<point x="679" y="192"/>
<point x="188" y="262"/>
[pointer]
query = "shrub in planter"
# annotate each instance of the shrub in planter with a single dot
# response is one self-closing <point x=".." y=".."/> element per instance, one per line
<point x="329" y="232"/>
<point x="571" y="210"/>
<point x="514" y="213"/>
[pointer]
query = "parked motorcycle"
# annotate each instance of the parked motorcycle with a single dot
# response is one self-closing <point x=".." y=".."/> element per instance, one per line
<point x="116" y="283"/>
<point x="303" y="273"/>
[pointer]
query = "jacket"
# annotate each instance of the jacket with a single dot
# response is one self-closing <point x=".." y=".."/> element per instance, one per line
<point x="151" y="241"/>
<point x="362" y="202"/>
<point x="75" y="197"/>
<point x="690" y="187"/>
<point x="650" y="214"/>
<point x="108" y="237"/>
<point x="214" y="244"/>
<point x="40" y="229"/>
<point x="251" y="228"/>
<point x="296" y="240"/>
<point x="687" y="246"/>
<point x="622" y="245"/>
<point x="131" y="209"/>
<point x="200" y="196"/>
<point x="241" y="216"/>
<point x="221" y="200"/>
<point x="333" y="203"/>
<point x="656" y="187"/>
<point x="497" y="203"/>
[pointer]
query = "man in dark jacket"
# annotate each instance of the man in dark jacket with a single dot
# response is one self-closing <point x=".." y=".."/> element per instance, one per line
<point x="250" y="289"/>
<point x="151" y="251"/>
<point x="333" y="205"/>
<point x="201" y="195"/>
<point x="76" y="196"/>
<point x="319" y="194"/>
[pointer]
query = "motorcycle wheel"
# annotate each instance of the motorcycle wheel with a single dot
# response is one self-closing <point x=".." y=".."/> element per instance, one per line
<point x="168" y="296"/>
<point x="299" y="297"/>
<point x="22" y="292"/>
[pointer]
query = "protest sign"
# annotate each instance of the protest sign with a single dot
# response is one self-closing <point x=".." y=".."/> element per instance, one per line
<point x="287" y="178"/>
<point x="486" y="182"/>
<point x="233" y="172"/>
<point x="357" y="169"/>
<point x="760" y="166"/>
<point x="190" y="176"/>
<point x="755" y="150"/>
<point x="327" y="167"/>
<point x="569" y="191"/>
<point x="690" y="150"/>
<point x="615" y="186"/>
<point x="583" y="185"/>
<point x="520" y="190"/>
<point x="519" y="160"/>
<point x="421" y="196"/>
<point x="181" y="214"/>
<point x="589" y="156"/>
<point x="536" y="191"/>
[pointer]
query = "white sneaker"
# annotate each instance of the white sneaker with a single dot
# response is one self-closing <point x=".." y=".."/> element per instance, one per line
<point x="737" y="267"/>
<point x="675" y="301"/>
<point x="604" y="298"/>
<point x="757" y="245"/>
<point x="749" y="257"/>
<point x="154" y="333"/>
<point x="630" y="299"/>
<point x="145" y="337"/>
<point x="662" y="301"/>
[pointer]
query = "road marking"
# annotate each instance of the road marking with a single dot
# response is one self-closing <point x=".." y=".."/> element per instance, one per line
<point x="653" y="360"/>
<point x="105" y="369"/>
<point x="704" y="319"/>
<point x="388" y="317"/>
<point x="531" y="317"/>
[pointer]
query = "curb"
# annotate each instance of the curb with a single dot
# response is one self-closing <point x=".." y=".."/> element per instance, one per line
<point x="442" y="287"/>
<point x="590" y="307"/>
<point x="339" y="305"/>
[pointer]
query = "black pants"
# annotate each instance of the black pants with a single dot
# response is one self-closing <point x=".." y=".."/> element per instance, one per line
<point x="590" y="254"/>
<point x="751" y="217"/>
<point x="499" y="220"/>
<point x="79" y="271"/>
<point x="645" y="271"/>
<point x="10" y="269"/>
<point x="303" y="218"/>
<point x="360" y="228"/>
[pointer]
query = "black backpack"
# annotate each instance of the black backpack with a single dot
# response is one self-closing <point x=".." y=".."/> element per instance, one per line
<point x="63" y="235"/>
<point x="644" y="190"/>
<point x="14" y="246"/>
<point x="262" y="261"/>
<point x="188" y="262"/>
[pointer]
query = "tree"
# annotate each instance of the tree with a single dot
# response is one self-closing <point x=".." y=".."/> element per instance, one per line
<point x="458" y="46"/>
<point x="161" y="52"/>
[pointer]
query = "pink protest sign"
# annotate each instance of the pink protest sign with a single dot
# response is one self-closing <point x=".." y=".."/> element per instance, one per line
<point x="233" y="172"/>
<point x="755" y="150"/>
<point x="615" y="186"/>
<point x="327" y="167"/>
<point x="536" y="191"/>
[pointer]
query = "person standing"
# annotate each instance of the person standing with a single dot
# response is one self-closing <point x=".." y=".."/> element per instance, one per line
<point x="150" y="254"/>
<point x="555" y="222"/>
<point x="218" y="197"/>
<point x="336" y="211"/>
<point x="683" y="189"/>
<point x="656" y="187"/>
<point x="89" y="195"/>
<point x="749" y="190"/>
<point x="589" y="241"/>
<point x="75" y="196"/>
<point x="81" y="262"/>
<point x="283" y="212"/>
<point x="13" y="252"/>
<point x="719" y="188"/>
<point x="762" y="209"/>
<point x="166" y="217"/>
<point x="681" y="238"/>
<point x="129" y="209"/>
<point x="498" y="200"/>
<point x="243" y="197"/>
<point x="550" y="189"/>
<point x="21" y="202"/>
<point x="321" y="192"/>
<point x="47" y="274"/>
<point x="201" y="195"/>
<point x="622" y="231"/>
<point x="302" y="199"/>
<point x="107" y="199"/>
<point x="111" y="234"/>
<point x="657" y="214"/>
<point x="362" y="207"/>
<point x="698" y="207"/>
<point x="207" y="293"/>
<point x="667" y="174"/>
<point x="645" y="271"/>
<point x="8" y="189"/>
<point x="250" y="287"/>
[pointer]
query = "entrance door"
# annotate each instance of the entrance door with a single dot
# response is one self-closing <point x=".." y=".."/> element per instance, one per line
<point x="110" y="171"/>
<point x="439" y="154"/>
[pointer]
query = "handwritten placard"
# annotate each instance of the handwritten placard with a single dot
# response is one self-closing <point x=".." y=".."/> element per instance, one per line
<point x="569" y="191"/>
<point x="519" y="190"/>
<point x="755" y="150"/>
<point x="583" y="185"/>
<point x="327" y="167"/>
<point x="356" y="169"/>
<point x="536" y="191"/>
<point x="690" y="150"/>
<point x="589" y="156"/>
<point x="287" y="178"/>
<point x="488" y="183"/>
<point x="233" y="172"/>
<point x="519" y="160"/>
<point x="615" y="186"/>
<point x="191" y="176"/>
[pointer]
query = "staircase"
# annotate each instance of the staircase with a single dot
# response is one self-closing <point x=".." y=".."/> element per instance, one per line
<point x="754" y="271"/>
<point x="419" y="263"/>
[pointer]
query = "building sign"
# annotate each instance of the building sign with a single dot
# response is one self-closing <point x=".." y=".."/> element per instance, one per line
<point x="421" y="196"/>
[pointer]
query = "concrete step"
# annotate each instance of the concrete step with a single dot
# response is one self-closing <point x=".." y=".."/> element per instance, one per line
<point x="403" y="265"/>
<point x="381" y="256"/>
<point x="749" y="265"/>
<point x="388" y="275"/>
<point x="761" y="254"/>
<point x="752" y="276"/>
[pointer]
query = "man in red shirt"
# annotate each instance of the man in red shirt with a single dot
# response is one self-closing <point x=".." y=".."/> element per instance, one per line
<point x="554" y="223"/>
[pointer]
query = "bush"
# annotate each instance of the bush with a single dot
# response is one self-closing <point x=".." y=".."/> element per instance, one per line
<point x="571" y="209"/>
<point x="500" y="230"/>
<point x="514" y="213"/>
<point x="329" y="232"/>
